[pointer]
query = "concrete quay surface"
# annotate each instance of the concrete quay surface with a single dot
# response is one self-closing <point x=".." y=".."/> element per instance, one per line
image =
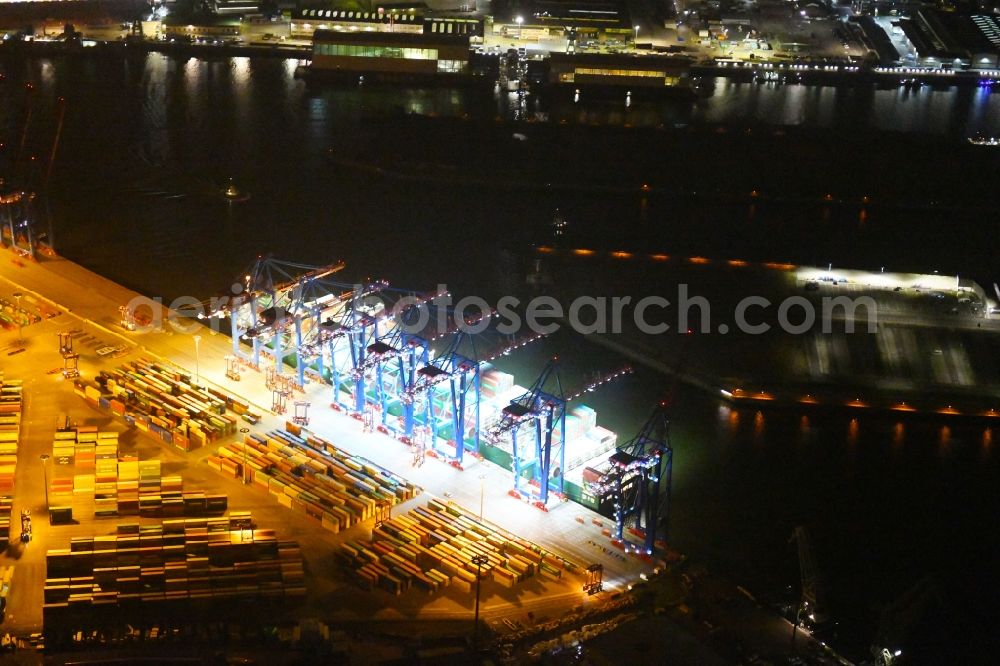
<point x="89" y="305"/>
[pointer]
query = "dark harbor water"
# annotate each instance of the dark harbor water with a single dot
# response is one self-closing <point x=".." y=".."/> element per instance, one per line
<point x="428" y="186"/>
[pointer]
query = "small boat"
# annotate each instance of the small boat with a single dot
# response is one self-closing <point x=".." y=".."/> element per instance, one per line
<point x="980" y="140"/>
<point x="559" y="224"/>
<point x="233" y="194"/>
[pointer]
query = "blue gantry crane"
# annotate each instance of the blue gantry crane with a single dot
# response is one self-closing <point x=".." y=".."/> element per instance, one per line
<point x="545" y="413"/>
<point x="18" y="218"/>
<point x="639" y="477"/>
<point x="461" y="375"/>
<point x="24" y="192"/>
<point x="267" y="303"/>
<point x="341" y="341"/>
<point x="544" y="463"/>
<point x="393" y="359"/>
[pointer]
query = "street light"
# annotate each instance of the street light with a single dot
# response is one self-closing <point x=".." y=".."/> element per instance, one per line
<point x="20" y="320"/>
<point x="479" y="561"/>
<point x="197" y="360"/>
<point x="635" y="44"/>
<point x="519" y="20"/>
<point x="45" y="476"/>
<point x="244" y="431"/>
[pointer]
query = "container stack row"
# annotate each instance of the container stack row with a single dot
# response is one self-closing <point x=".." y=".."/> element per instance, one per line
<point x="111" y="485"/>
<point x="214" y="560"/>
<point x="434" y="546"/>
<point x="308" y="474"/>
<point x="6" y="508"/>
<point x="166" y="403"/>
<point x="84" y="447"/>
<point x="13" y="315"/>
<point x="10" y="431"/>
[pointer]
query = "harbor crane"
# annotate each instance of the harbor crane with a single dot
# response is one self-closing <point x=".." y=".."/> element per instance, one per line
<point x="462" y="374"/>
<point x="640" y="478"/>
<point x="545" y="413"/>
<point x="267" y="302"/>
<point x="403" y="372"/>
<point x="393" y="359"/>
<point x="18" y="216"/>
<point x="26" y="192"/>
<point x="813" y="604"/>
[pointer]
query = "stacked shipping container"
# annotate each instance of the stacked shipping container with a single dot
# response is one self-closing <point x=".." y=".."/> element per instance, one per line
<point x="432" y="547"/>
<point x="309" y="474"/>
<point x="10" y="432"/>
<point x="165" y="402"/>
<point x="213" y="560"/>
<point x="118" y="486"/>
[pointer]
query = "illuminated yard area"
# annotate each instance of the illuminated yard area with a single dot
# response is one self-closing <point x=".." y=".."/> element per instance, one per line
<point x="115" y="470"/>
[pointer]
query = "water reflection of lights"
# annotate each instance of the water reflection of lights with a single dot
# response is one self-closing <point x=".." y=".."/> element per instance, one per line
<point x="898" y="434"/>
<point x="47" y="72"/>
<point x="731" y="417"/>
<point x="241" y="70"/>
<point x="192" y="72"/>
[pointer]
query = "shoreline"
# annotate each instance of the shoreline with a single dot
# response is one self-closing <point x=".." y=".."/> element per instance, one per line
<point x="784" y="73"/>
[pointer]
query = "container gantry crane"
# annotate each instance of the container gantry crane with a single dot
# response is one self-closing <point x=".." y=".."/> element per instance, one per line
<point x="17" y="216"/>
<point x="393" y="360"/>
<point x="813" y="604"/>
<point x="639" y="478"/>
<point x="19" y="205"/>
<point x="347" y="324"/>
<point x="385" y="353"/>
<point x="462" y="374"/>
<point x="267" y="304"/>
<point x="546" y="412"/>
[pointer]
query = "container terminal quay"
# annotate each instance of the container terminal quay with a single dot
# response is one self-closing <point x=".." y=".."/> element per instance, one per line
<point x="364" y="502"/>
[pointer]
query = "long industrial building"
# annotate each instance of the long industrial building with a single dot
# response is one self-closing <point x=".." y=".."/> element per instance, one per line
<point x="306" y="22"/>
<point x="619" y="70"/>
<point x="390" y="53"/>
<point x="953" y="41"/>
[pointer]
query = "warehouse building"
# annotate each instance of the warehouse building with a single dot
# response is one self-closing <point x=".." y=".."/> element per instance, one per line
<point x="305" y="23"/>
<point x="953" y="41"/>
<point x="391" y="53"/>
<point x="194" y="28"/>
<point x="604" y="21"/>
<point x="619" y="70"/>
